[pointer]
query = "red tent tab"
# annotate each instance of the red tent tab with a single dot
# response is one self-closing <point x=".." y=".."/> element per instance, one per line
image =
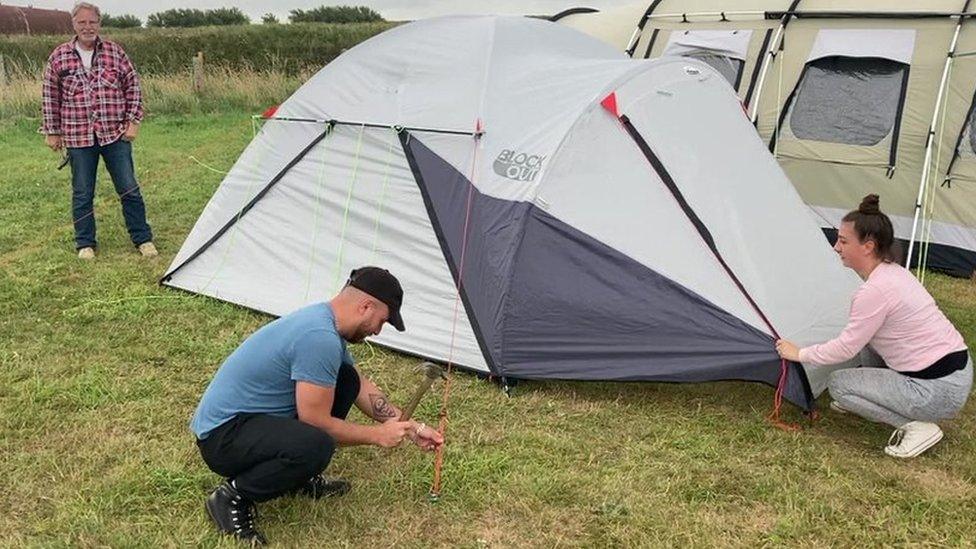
<point x="610" y="103"/>
<point x="270" y="111"/>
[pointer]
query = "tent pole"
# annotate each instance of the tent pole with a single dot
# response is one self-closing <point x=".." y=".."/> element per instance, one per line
<point x="376" y="125"/>
<point x="684" y="16"/>
<point x="632" y="43"/>
<point x="869" y="14"/>
<point x="926" y="240"/>
<point x="929" y="140"/>
<point x="775" y="43"/>
<point x="767" y="60"/>
<point x="572" y="11"/>
<point x="635" y="36"/>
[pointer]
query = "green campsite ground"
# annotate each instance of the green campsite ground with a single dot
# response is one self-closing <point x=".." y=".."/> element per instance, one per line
<point x="101" y="368"/>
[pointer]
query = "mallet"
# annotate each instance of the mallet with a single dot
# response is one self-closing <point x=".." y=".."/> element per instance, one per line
<point x="431" y="373"/>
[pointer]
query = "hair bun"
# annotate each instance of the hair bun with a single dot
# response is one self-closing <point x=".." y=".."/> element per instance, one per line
<point x="870" y="205"/>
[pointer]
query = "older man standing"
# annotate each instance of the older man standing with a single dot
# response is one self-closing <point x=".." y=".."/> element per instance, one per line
<point x="92" y="106"/>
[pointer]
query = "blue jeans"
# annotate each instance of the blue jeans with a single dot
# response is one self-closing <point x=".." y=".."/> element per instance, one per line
<point x="84" y="167"/>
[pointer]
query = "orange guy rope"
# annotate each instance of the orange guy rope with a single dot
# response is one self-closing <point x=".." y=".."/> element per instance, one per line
<point x="435" y="490"/>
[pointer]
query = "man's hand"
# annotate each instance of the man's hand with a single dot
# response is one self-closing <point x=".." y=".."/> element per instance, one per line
<point x="54" y="142"/>
<point x="131" y="131"/>
<point x="392" y="433"/>
<point x="425" y="437"/>
<point x="788" y="350"/>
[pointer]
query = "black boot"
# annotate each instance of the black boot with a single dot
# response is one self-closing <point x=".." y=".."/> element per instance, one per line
<point x="234" y="514"/>
<point x="319" y="487"/>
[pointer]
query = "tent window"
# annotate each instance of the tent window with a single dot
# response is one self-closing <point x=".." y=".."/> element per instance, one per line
<point x="967" y="145"/>
<point x="729" y="67"/>
<point x="848" y="100"/>
<point x="972" y="134"/>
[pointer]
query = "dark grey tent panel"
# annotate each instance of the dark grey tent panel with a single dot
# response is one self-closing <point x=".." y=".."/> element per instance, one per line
<point x="492" y="235"/>
<point x="578" y="309"/>
<point x="853" y="101"/>
<point x="550" y="302"/>
<point x="971" y="130"/>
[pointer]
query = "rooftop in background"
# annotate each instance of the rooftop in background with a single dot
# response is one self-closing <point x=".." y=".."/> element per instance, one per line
<point x="30" y="20"/>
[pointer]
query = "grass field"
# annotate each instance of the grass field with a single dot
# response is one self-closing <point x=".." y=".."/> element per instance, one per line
<point x="100" y="370"/>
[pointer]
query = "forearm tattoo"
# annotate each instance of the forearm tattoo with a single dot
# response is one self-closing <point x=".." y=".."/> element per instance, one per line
<point x="382" y="409"/>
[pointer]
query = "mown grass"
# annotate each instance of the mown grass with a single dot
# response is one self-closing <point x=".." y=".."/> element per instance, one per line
<point x="291" y="49"/>
<point x="100" y="370"/>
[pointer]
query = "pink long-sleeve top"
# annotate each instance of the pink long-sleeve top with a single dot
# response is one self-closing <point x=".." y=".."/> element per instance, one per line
<point x="897" y="317"/>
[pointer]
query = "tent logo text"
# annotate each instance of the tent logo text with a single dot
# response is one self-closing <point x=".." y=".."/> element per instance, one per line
<point x="518" y="165"/>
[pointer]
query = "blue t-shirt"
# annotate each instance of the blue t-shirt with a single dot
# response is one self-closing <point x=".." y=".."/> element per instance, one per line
<point x="259" y="377"/>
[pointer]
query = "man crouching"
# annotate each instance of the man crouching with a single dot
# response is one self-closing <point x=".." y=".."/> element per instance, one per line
<point x="275" y="410"/>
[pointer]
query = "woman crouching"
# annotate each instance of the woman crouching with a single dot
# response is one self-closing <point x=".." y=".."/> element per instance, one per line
<point x="929" y="371"/>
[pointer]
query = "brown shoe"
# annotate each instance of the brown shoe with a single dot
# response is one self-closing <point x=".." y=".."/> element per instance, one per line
<point x="148" y="249"/>
<point x="86" y="253"/>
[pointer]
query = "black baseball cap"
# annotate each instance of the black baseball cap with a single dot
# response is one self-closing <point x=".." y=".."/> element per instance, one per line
<point x="382" y="285"/>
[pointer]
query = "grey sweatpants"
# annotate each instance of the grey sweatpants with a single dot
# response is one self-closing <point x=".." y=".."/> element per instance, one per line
<point x="885" y="396"/>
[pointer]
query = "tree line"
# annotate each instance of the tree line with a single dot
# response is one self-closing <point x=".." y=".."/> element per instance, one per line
<point x="191" y="17"/>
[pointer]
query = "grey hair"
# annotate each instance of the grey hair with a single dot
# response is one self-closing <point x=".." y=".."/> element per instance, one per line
<point x="86" y="6"/>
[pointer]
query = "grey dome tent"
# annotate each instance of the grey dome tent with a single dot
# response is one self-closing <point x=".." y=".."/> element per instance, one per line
<point x="552" y="209"/>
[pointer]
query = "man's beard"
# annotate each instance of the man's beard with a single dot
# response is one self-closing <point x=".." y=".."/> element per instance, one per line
<point x="359" y="335"/>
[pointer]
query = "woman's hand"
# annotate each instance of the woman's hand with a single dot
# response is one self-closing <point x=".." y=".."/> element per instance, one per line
<point x="788" y="350"/>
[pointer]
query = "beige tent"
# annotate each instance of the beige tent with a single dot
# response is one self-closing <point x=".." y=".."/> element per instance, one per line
<point x="872" y="97"/>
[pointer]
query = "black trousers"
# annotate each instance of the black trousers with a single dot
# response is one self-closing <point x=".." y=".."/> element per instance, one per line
<point x="268" y="456"/>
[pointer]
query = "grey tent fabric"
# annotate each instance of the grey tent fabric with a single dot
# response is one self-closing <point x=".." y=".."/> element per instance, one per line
<point x="853" y="101"/>
<point x="637" y="325"/>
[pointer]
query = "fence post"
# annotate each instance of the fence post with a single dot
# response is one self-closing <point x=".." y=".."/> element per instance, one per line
<point x="198" y="72"/>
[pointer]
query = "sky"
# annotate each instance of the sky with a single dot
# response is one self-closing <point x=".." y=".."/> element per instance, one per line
<point x="393" y="10"/>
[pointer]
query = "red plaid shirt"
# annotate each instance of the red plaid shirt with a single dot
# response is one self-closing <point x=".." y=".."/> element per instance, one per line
<point x="79" y="104"/>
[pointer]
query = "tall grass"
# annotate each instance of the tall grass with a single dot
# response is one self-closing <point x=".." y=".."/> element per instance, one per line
<point x="20" y="96"/>
<point x="290" y="49"/>
<point x="224" y="90"/>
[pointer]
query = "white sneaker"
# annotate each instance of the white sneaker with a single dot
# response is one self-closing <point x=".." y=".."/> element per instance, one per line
<point x="148" y="249"/>
<point x="838" y="407"/>
<point x="86" y="253"/>
<point x="912" y="439"/>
